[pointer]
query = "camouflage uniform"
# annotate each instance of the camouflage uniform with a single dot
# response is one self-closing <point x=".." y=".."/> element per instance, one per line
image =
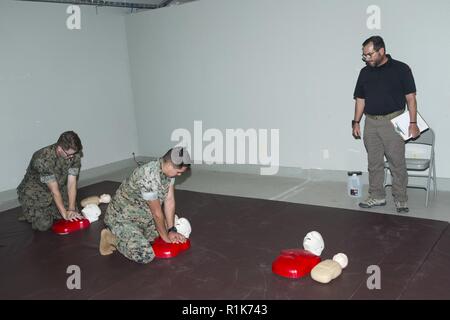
<point x="128" y="214"/>
<point x="34" y="195"/>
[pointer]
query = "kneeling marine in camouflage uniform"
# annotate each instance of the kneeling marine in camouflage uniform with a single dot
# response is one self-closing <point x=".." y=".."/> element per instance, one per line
<point x="50" y="183"/>
<point x="135" y="215"/>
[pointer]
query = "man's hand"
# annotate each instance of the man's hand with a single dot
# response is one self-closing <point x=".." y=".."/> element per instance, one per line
<point x="72" y="215"/>
<point x="413" y="130"/>
<point x="359" y="110"/>
<point x="176" y="237"/>
<point x="356" y="131"/>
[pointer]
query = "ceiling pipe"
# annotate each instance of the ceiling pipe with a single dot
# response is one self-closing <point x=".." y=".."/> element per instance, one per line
<point x="165" y="3"/>
<point x="105" y="3"/>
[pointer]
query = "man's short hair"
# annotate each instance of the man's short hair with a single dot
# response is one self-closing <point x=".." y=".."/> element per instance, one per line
<point x="377" y="42"/>
<point x="179" y="157"/>
<point x="70" y="140"/>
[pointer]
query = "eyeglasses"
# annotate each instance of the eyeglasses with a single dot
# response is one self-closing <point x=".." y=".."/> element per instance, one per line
<point x="67" y="155"/>
<point x="368" y="55"/>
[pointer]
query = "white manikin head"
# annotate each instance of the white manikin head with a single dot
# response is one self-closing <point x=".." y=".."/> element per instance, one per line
<point x="313" y="242"/>
<point x="105" y="198"/>
<point x="183" y="226"/>
<point x="342" y="259"/>
<point x="91" y="212"/>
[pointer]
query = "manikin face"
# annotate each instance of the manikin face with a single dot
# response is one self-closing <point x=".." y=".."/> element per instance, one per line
<point x="183" y="226"/>
<point x="372" y="57"/>
<point x="91" y="212"/>
<point x="313" y="243"/>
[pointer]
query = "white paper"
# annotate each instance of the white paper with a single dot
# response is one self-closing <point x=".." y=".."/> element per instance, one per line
<point x="401" y="124"/>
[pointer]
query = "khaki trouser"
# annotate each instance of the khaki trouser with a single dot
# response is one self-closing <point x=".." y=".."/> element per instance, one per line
<point x="380" y="139"/>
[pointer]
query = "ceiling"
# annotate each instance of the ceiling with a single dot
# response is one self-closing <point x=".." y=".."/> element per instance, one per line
<point x="138" y="4"/>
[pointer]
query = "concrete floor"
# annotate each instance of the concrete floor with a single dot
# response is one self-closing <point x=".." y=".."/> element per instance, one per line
<point x="323" y="193"/>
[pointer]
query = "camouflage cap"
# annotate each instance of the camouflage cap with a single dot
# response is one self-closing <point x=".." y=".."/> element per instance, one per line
<point x="180" y="155"/>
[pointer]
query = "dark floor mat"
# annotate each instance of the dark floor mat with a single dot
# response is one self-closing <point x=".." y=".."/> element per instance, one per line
<point x="234" y="242"/>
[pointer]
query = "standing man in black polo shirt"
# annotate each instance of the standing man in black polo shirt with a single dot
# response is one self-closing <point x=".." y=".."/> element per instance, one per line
<point x="384" y="86"/>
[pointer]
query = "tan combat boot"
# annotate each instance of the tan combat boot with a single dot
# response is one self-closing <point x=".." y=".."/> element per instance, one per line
<point x="108" y="242"/>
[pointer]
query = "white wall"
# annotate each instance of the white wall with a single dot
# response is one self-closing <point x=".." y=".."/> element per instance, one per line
<point x="287" y="64"/>
<point x="260" y="64"/>
<point x="53" y="79"/>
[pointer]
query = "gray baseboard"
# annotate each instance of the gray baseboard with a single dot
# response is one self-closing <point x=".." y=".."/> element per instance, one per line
<point x="118" y="170"/>
<point x="443" y="184"/>
<point x="290" y="172"/>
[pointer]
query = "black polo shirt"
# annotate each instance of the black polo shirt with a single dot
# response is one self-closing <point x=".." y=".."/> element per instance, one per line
<point x="384" y="87"/>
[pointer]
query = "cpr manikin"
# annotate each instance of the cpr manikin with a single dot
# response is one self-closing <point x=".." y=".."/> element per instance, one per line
<point x="183" y="226"/>
<point x="296" y="263"/>
<point x="91" y="212"/>
<point x="313" y="242"/>
<point x="169" y="250"/>
<point x="328" y="270"/>
<point x="104" y="198"/>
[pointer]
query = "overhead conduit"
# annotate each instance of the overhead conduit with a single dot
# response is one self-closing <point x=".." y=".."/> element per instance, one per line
<point x="103" y="3"/>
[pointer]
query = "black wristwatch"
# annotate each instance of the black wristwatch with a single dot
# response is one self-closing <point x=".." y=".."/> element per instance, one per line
<point x="354" y="122"/>
<point x="173" y="229"/>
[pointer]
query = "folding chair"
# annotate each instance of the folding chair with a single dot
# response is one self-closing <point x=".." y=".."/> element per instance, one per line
<point x="420" y="162"/>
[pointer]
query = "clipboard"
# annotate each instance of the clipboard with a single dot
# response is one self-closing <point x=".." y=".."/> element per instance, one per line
<point x="401" y="124"/>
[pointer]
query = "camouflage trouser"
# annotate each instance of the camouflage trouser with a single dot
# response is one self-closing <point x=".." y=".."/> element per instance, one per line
<point x="38" y="207"/>
<point x="135" y="229"/>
